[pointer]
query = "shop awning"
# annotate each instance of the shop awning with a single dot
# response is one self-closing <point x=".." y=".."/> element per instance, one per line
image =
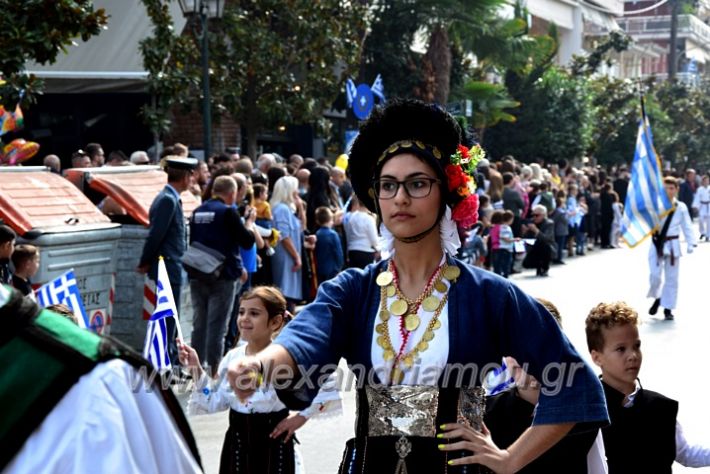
<point x="111" y="61"/>
<point x="599" y="18"/>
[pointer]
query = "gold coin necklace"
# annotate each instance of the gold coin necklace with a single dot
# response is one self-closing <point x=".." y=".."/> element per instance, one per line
<point x="407" y="310"/>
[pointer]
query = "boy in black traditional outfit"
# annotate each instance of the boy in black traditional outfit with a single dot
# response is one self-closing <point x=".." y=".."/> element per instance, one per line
<point x="644" y="434"/>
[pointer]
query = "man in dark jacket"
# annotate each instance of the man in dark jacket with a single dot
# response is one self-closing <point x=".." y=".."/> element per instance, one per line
<point x="687" y="190"/>
<point x="216" y="224"/>
<point x="167" y="236"/>
<point x="541" y="229"/>
<point x="512" y="201"/>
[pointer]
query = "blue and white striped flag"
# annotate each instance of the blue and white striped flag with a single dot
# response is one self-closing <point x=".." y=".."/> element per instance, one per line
<point x="156" y="340"/>
<point x="499" y="380"/>
<point x="378" y="88"/>
<point x="646" y="200"/>
<point x="63" y="290"/>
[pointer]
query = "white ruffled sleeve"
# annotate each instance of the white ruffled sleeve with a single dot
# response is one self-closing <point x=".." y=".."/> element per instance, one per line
<point x="212" y="396"/>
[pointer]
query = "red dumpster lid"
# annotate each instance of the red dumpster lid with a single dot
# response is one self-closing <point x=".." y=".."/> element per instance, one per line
<point x="31" y="197"/>
<point x="132" y="187"/>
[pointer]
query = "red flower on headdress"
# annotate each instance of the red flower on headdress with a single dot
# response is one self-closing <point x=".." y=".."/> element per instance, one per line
<point x="465" y="213"/>
<point x="464" y="153"/>
<point x="456" y="177"/>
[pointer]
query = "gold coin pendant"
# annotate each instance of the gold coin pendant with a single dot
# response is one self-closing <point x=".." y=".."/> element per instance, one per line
<point x="384" y="278"/>
<point x="381" y="328"/>
<point x="391" y="291"/>
<point x="388" y="355"/>
<point x="437" y="324"/>
<point x="452" y="273"/>
<point x="408" y="361"/>
<point x="399" y="307"/>
<point x="441" y="287"/>
<point x="430" y="303"/>
<point x="411" y="322"/>
<point x="428" y="336"/>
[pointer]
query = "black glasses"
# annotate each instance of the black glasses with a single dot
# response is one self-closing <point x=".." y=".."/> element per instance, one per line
<point x="419" y="187"/>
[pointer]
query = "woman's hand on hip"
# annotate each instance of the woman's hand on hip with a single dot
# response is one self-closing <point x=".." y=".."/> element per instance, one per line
<point x="459" y="437"/>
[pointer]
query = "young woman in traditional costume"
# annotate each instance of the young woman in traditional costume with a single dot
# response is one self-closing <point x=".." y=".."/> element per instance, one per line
<point x="419" y="328"/>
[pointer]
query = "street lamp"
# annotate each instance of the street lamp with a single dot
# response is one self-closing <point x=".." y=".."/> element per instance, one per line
<point x="205" y="10"/>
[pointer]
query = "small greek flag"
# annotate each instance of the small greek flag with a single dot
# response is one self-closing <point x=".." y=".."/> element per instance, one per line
<point x="350" y="92"/>
<point x="378" y="88"/>
<point x="63" y="290"/>
<point x="646" y="200"/>
<point x="156" y="340"/>
<point x="499" y="380"/>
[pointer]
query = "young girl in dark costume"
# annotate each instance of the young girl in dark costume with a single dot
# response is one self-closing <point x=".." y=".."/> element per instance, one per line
<point x="260" y="435"/>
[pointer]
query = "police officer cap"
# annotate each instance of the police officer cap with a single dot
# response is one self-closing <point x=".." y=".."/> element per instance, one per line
<point x="181" y="163"/>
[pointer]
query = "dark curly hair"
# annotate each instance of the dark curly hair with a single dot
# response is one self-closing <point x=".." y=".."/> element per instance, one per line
<point x="607" y="316"/>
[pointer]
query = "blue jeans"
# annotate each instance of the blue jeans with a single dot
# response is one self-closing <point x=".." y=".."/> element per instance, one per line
<point x="580" y="239"/>
<point x="502" y="262"/>
<point x="561" y="244"/>
<point x="212" y="304"/>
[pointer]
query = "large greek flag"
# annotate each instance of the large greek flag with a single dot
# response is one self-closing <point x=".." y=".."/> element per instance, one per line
<point x="646" y="200"/>
<point x="64" y="290"/>
<point x="156" y="340"/>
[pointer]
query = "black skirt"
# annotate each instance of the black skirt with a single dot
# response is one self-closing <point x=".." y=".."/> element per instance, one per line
<point x="247" y="448"/>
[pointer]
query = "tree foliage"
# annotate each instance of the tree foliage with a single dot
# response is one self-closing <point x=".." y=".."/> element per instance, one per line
<point x="553" y="122"/>
<point x="616" y="114"/>
<point x="272" y="62"/>
<point x="38" y="30"/>
<point x="686" y="142"/>
<point x="387" y="50"/>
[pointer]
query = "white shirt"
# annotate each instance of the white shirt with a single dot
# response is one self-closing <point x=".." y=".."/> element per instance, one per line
<point x="103" y="425"/>
<point x="430" y="363"/>
<point x="214" y="396"/>
<point x="680" y="221"/>
<point x="219" y="396"/>
<point x="701" y="201"/>
<point x="361" y="232"/>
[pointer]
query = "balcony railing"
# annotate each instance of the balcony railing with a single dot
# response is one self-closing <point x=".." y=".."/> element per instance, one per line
<point x="659" y="27"/>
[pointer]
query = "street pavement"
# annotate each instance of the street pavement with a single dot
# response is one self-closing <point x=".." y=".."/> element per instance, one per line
<point x="675" y="353"/>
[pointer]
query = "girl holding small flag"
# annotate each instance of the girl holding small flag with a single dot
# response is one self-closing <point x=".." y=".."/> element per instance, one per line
<point x="260" y="435"/>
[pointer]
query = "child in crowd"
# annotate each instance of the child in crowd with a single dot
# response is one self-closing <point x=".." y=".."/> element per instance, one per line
<point x="503" y="255"/>
<point x="474" y="248"/>
<point x="25" y="259"/>
<point x="360" y="235"/>
<point x="260" y="434"/>
<point x="262" y="206"/>
<point x="559" y="217"/>
<point x="618" y="210"/>
<point x="494" y="237"/>
<point x="644" y="434"/>
<point x="329" y="249"/>
<point x="7" y="245"/>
